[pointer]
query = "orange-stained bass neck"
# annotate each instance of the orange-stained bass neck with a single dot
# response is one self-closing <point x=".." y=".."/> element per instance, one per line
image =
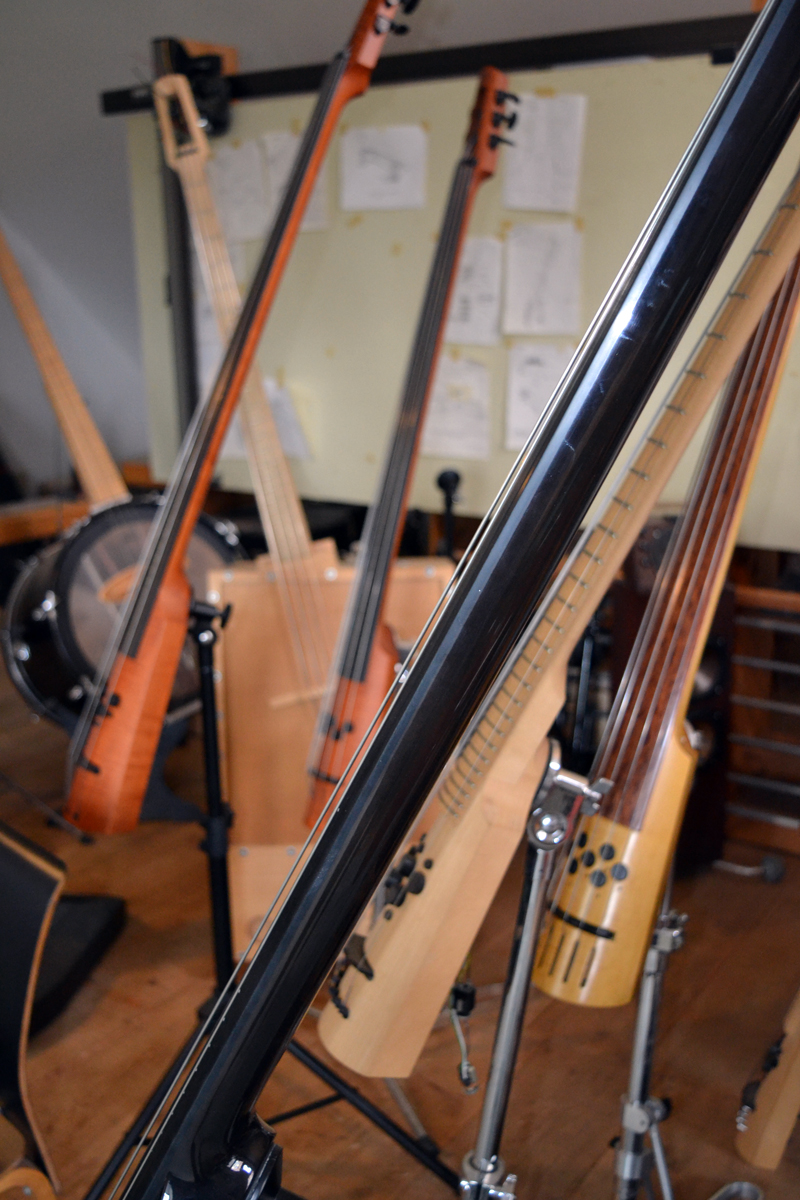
<point x="353" y="710"/>
<point x="108" y="787"/>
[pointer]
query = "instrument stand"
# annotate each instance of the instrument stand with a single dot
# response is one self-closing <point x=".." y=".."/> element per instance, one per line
<point x="217" y="821"/>
<point x="641" y="1112"/>
<point x="561" y="797"/>
<point x="218" y="817"/>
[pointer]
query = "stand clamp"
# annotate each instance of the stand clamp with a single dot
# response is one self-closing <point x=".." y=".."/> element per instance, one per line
<point x="555" y="809"/>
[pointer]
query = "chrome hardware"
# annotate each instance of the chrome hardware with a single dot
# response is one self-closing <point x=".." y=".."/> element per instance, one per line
<point x="553" y="805"/>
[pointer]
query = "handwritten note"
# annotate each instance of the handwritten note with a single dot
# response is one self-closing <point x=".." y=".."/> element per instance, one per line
<point x="383" y="168"/>
<point x="534" y="369"/>
<point x="280" y="151"/>
<point x="474" y="316"/>
<point x="457" y="424"/>
<point x="542" y="293"/>
<point x="542" y="168"/>
<point x="236" y="174"/>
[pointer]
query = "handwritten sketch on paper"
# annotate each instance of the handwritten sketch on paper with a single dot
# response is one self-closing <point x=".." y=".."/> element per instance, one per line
<point x="474" y="317"/>
<point x="457" y="424"/>
<point x="383" y="168"/>
<point x="236" y="174"/>
<point x="542" y="168"/>
<point x="280" y="151"/>
<point x="542" y="291"/>
<point x="534" y="369"/>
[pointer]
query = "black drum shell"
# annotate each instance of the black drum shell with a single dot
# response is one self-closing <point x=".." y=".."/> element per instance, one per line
<point x="56" y="628"/>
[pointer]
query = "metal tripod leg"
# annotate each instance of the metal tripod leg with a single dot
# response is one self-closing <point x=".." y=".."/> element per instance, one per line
<point x="558" y="801"/>
<point x="641" y="1113"/>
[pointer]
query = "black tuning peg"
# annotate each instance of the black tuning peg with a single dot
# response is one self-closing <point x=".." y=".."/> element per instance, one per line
<point x="508" y="119"/>
<point x="495" y="140"/>
<point x="399" y="29"/>
<point x="408" y="6"/>
<point x="501" y="97"/>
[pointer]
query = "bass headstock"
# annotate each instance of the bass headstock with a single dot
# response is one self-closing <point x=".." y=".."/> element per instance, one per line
<point x="182" y="136"/>
<point x="490" y="120"/>
<point x="377" y="21"/>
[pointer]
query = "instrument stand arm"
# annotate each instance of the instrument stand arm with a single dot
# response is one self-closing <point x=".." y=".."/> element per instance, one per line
<point x="559" y="800"/>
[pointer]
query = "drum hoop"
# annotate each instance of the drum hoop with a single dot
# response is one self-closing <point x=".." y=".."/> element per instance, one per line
<point x="72" y="553"/>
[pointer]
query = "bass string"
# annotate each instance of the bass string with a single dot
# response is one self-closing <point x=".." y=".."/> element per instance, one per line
<point x="200" y="434"/>
<point x="380" y="536"/>
<point x="678" y="403"/>
<point x="703" y="538"/>
<point x="299" y="588"/>
<point x="698" y="528"/>
<point x="396" y="476"/>
<point x="451" y="805"/>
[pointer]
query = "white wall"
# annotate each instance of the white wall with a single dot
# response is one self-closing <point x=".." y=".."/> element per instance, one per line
<point x="64" y="194"/>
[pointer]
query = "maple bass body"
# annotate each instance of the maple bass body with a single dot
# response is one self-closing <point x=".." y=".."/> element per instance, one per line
<point x="591" y="953"/>
<point x="267" y="712"/>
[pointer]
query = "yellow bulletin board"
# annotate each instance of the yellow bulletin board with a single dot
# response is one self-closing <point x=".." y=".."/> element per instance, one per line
<point x="340" y="332"/>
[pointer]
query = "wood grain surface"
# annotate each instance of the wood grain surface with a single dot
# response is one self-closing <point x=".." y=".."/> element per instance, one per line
<point x="726" y="996"/>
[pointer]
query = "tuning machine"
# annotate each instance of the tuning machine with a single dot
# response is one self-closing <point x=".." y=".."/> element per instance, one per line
<point x="507" y="119"/>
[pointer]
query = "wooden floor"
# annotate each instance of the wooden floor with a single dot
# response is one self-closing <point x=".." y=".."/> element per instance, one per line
<point x="90" y="1071"/>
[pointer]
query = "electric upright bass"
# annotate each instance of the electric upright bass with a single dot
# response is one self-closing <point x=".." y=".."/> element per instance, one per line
<point x="113" y="747"/>
<point x="366" y="659"/>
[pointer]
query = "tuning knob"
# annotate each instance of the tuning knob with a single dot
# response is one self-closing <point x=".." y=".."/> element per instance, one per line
<point x="495" y="140"/>
<point x="408" y="6"/>
<point x="501" y="97"/>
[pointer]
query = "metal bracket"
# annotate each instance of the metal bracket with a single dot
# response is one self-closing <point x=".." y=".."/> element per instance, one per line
<point x="561" y="797"/>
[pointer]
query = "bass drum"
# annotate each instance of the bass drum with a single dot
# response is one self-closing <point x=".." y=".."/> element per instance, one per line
<point x="65" y="603"/>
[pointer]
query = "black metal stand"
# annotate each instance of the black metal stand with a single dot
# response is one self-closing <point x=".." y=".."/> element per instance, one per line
<point x="217" y="822"/>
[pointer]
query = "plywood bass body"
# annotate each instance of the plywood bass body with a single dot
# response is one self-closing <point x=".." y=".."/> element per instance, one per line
<point x="267" y="711"/>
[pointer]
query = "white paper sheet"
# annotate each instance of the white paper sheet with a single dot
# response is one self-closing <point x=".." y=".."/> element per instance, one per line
<point x="542" y="168"/>
<point x="534" y="369"/>
<point x="542" y="291"/>
<point x="209" y="356"/>
<point x="474" y="317"/>
<point x="457" y="424"/>
<point x="237" y="181"/>
<point x="290" y="431"/>
<point x="383" y="168"/>
<point x="280" y="150"/>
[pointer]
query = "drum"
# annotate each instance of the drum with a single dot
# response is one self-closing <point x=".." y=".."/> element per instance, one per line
<point x="65" y="602"/>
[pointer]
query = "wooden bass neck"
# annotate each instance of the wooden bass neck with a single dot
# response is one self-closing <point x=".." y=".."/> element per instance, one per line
<point x="657" y="684"/>
<point x="279" y="504"/>
<point x="385" y="520"/>
<point x="97" y="472"/>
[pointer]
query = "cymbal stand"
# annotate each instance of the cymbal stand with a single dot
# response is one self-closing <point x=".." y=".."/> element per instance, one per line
<point x="559" y="800"/>
<point x="641" y="1112"/>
